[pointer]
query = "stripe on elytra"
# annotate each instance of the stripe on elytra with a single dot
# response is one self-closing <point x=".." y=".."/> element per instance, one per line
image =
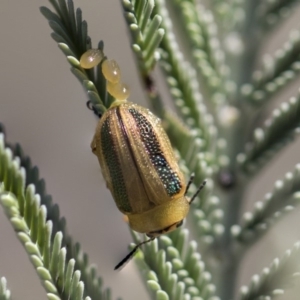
<point x="169" y="178"/>
<point x="111" y="159"/>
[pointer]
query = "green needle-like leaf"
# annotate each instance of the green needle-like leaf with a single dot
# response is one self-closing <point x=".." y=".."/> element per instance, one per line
<point x="279" y="130"/>
<point x="70" y="32"/>
<point x="278" y="71"/>
<point x="4" y="292"/>
<point x="275" y="205"/>
<point x="280" y="272"/>
<point x="146" y="32"/>
<point x="206" y="48"/>
<point x="183" y="85"/>
<point x="41" y="230"/>
<point x="159" y="258"/>
<point x="272" y="12"/>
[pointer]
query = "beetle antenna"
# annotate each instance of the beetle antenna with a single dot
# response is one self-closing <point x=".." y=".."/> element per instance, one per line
<point x="198" y="191"/>
<point x="189" y="183"/>
<point x="131" y="253"/>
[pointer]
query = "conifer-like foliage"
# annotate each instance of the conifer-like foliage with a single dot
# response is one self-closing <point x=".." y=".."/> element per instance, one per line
<point x="213" y="128"/>
<point x="4" y="292"/>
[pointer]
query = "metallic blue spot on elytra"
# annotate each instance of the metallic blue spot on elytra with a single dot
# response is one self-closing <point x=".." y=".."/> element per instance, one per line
<point x="168" y="177"/>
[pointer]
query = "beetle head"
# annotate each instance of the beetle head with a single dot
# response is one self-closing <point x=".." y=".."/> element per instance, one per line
<point x="154" y="234"/>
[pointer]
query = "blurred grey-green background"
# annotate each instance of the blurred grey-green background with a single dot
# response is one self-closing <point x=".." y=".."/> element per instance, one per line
<point x="43" y="108"/>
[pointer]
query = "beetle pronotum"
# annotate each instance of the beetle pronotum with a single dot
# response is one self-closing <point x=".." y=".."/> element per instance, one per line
<point x="139" y="165"/>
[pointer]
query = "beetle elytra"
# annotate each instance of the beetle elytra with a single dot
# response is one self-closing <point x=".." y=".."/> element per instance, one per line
<point x="140" y="169"/>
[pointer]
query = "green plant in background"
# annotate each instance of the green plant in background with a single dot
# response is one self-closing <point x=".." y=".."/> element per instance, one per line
<point x="218" y="98"/>
<point x="4" y="292"/>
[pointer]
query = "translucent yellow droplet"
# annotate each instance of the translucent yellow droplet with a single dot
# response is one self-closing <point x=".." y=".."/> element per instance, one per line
<point x="111" y="70"/>
<point x="118" y="90"/>
<point x="91" y="58"/>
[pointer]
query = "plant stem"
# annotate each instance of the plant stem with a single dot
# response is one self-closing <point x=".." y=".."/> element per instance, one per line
<point x="242" y="70"/>
<point x="230" y="258"/>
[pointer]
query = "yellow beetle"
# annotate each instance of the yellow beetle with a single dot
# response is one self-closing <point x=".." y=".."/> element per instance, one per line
<point x="140" y="170"/>
<point x="139" y="165"/>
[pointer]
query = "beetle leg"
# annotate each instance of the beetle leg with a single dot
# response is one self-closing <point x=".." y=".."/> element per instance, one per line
<point x="90" y="106"/>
